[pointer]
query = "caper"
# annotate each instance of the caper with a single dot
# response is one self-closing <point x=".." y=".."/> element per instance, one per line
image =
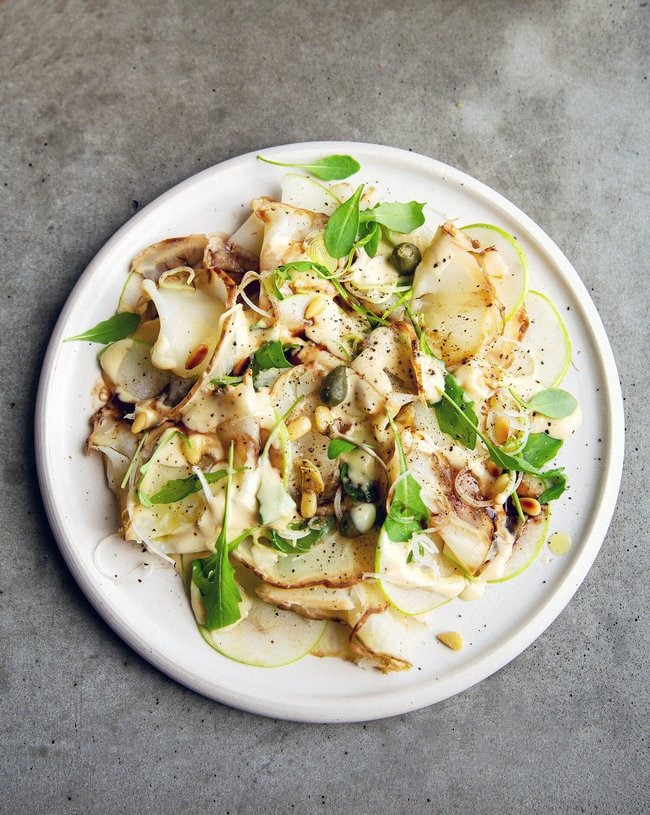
<point x="347" y="527"/>
<point x="334" y="388"/>
<point x="405" y="258"/>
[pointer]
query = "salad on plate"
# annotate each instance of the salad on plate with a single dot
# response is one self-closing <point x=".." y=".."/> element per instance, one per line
<point x="334" y="420"/>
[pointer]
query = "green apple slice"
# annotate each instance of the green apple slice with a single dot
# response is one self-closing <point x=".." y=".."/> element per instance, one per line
<point x="546" y="340"/>
<point x="508" y="270"/>
<point x="528" y="546"/>
<point x="131" y="292"/>
<point x="268" y="637"/>
<point x="305" y="193"/>
<point x="410" y="588"/>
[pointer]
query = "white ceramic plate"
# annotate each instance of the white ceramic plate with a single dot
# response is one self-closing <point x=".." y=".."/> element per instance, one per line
<point x="154" y="617"/>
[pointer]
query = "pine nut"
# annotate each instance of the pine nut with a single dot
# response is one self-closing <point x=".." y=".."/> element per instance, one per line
<point x="501" y="430"/>
<point x="298" y="427"/>
<point x="452" y="639"/>
<point x="323" y="418"/>
<point x="196" y="356"/>
<point x="143" y="419"/>
<point x="316" y="306"/>
<point x="139" y="423"/>
<point x="308" y="504"/>
<point x="194" y="450"/>
<point x="500" y="484"/>
<point x="530" y="506"/>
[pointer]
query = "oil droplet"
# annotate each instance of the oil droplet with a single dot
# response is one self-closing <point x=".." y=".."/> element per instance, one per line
<point x="559" y="543"/>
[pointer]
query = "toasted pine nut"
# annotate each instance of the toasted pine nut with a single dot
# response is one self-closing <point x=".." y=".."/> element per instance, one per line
<point x="530" y="506"/>
<point x="323" y="418"/>
<point x="452" y="639"/>
<point x="500" y="484"/>
<point x="194" y="450"/>
<point x="196" y="356"/>
<point x="143" y="419"/>
<point x="316" y="306"/>
<point x="493" y="469"/>
<point x="308" y="504"/>
<point x="139" y="423"/>
<point x="501" y="430"/>
<point x="298" y="427"/>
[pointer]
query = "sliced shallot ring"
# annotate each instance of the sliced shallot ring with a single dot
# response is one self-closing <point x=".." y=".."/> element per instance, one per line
<point x="246" y="279"/>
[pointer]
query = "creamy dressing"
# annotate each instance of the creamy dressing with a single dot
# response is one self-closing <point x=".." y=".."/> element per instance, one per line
<point x="471" y="378"/>
<point x="557" y="428"/>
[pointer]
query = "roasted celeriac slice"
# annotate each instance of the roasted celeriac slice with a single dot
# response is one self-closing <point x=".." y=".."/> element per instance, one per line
<point x="453" y="294"/>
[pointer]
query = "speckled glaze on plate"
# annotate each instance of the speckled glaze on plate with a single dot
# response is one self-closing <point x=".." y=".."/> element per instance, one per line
<point x="154" y="618"/>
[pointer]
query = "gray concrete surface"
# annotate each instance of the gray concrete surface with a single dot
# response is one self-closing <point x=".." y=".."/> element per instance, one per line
<point x="105" y="105"/>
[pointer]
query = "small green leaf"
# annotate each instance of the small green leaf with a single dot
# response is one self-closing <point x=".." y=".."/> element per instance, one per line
<point x="318" y="528"/>
<point x="343" y="225"/>
<point x="369" y="237"/>
<point x="554" y="403"/>
<point x="115" y="328"/>
<point x="397" y="217"/>
<point x="330" y="168"/>
<point x="556" y="482"/>
<point x="338" y="446"/>
<point x="179" y="488"/>
<point x="448" y="418"/>
<point x="270" y="355"/>
<point x="540" y="448"/>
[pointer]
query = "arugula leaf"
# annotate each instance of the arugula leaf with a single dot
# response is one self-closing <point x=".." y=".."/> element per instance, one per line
<point x="338" y="446"/>
<point x="270" y="355"/>
<point x="398" y="217"/>
<point x="363" y="493"/>
<point x="448" y="418"/>
<point x="283" y="273"/>
<point x="540" y="448"/>
<point x="224" y="381"/>
<point x="552" y="402"/>
<point x="369" y="237"/>
<point x="343" y="225"/>
<point x="318" y="528"/>
<point x="407" y="513"/>
<point x="115" y="328"/>
<point x="556" y="481"/>
<point x="179" y="488"/>
<point x="330" y="168"/>
<point x="214" y="576"/>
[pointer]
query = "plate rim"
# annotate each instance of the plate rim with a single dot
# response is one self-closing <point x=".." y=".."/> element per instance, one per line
<point x="373" y="705"/>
